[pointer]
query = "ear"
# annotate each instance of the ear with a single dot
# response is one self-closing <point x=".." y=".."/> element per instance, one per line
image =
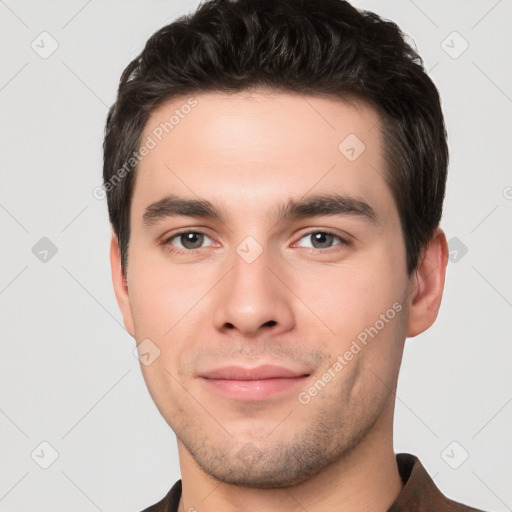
<point x="120" y="285"/>
<point x="427" y="284"/>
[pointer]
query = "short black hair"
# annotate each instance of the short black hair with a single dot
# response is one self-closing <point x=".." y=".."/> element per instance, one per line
<point x="316" y="47"/>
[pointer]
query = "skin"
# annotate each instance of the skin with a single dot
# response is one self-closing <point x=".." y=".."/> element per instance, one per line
<point x="298" y="304"/>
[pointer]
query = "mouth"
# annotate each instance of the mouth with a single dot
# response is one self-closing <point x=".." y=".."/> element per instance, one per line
<point x="252" y="384"/>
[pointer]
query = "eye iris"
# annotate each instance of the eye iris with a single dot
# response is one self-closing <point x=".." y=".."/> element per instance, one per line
<point x="192" y="240"/>
<point x="321" y="240"/>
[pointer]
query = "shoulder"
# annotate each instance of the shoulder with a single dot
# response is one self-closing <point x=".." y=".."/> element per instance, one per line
<point x="420" y="494"/>
<point x="170" y="502"/>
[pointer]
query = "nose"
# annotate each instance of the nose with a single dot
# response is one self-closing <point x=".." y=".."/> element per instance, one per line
<point x="251" y="299"/>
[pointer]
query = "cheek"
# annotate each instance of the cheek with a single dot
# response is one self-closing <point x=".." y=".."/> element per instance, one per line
<point x="349" y="297"/>
<point x="161" y="296"/>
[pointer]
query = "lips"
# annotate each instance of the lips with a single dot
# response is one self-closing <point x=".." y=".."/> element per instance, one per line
<point x="252" y="384"/>
<point x="266" y="371"/>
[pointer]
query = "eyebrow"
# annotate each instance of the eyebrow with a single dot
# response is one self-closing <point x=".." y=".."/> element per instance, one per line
<point x="327" y="204"/>
<point x="309" y="206"/>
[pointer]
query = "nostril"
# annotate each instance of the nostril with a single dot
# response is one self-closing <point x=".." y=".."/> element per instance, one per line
<point x="270" y="323"/>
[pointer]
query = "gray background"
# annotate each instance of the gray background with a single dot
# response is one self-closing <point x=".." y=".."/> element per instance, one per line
<point x="68" y="374"/>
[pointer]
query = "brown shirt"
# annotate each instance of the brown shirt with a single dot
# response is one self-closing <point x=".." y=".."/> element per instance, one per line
<point x="419" y="493"/>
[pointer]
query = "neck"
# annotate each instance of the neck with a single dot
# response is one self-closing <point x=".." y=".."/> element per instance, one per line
<point x="364" y="478"/>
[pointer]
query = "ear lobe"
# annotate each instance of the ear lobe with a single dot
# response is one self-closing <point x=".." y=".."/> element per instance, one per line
<point x="427" y="285"/>
<point x="120" y="285"/>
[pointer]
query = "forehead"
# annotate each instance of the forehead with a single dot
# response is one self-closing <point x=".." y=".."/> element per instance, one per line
<point x="282" y="121"/>
<point x="265" y="144"/>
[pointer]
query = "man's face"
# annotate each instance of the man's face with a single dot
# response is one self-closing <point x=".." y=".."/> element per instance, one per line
<point x="266" y="282"/>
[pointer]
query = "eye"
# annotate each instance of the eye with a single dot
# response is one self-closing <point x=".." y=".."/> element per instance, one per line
<point x="321" y="240"/>
<point x="187" y="241"/>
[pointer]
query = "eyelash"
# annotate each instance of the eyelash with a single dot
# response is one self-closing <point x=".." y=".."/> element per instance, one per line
<point x="166" y="243"/>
